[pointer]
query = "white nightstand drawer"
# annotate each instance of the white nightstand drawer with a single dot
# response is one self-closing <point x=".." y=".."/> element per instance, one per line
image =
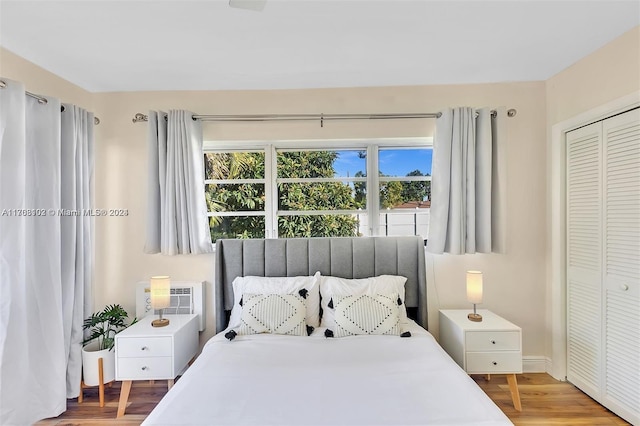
<point x="492" y="341"/>
<point x="145" y="368"/>
<point x="144" y="347"/>
<point x="494" y="362"/>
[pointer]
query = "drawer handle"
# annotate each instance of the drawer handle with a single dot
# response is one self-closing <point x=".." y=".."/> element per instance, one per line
<point x="624" y="287"/>
<point x="493" y="342"/>
<point x="145" y="368"/>
<point x="144" y="348"/>
<point x="494" y="363"/>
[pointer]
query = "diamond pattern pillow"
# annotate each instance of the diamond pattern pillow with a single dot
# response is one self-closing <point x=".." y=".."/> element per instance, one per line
<point x="273" y="313"/>
<point x="367" y="314"/>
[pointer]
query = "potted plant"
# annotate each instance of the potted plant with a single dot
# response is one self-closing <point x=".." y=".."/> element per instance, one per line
<point x="103" y="327"/>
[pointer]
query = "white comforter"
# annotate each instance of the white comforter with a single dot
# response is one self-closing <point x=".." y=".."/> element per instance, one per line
<point x="358" y="380"/>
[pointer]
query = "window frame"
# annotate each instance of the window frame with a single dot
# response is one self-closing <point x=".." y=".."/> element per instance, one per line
<point x="270" y="148"/>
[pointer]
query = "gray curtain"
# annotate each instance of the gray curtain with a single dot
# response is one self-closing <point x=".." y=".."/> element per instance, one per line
<point x="46" y="166"/>
<point x="461" y="193"/>
<point x="177" y="221"/>
<point x="76" y="236"/>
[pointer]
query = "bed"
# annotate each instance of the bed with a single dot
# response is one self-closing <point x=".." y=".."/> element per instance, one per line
<point x="320" y="379"/>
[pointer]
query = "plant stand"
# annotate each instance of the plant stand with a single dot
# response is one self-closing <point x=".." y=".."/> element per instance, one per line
<point x="100" y="384"/>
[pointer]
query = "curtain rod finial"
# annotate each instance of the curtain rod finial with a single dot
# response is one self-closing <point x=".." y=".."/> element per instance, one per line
<point x="511" y="113"/>
<point x="140" y="117"/>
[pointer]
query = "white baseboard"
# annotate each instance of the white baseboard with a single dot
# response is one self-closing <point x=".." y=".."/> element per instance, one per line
<point x="535" y="364"/>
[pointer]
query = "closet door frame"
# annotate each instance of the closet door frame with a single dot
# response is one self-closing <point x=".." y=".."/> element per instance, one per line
<point x="556" y="214"/>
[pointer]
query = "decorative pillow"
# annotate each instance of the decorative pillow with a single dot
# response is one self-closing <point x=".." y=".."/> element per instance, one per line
<point x="367" y="314"/>
<point x="277" y="285"/>
<point x="332" y="287"/>
<point x="273" y="313"/>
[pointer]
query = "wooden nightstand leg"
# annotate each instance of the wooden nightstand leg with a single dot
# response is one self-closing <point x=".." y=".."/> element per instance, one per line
<point x="101" y="381"/>
<point x="488" y="377"/>
<point x="124" y="397"/>
<point x="513" y="387"/>
<point x="170" y="384"/>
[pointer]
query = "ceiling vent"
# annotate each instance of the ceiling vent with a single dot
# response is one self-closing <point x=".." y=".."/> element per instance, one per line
<point x="257" y="5"/>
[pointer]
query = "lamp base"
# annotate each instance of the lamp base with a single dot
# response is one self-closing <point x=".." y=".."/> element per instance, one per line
<point x="160" y="322"/>
<point x="475" y="317"/>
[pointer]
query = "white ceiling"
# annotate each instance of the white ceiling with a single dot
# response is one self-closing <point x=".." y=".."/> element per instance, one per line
<point x="207" y="45"/>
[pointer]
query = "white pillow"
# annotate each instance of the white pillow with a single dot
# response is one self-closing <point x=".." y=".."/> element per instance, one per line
<point x="367" y="314"/>
<point x="277" y="285"/>
<point x="274" y="314"/>
<point x="331" y="287"/>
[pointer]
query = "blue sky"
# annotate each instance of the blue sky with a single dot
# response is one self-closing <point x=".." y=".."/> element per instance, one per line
<point x="393" y="162"/>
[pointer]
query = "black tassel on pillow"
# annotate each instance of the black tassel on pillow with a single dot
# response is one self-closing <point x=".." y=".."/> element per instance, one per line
<point x="406" y="334"/>
<point x="399" y="301"/>
<point x="309" y="330"/>
<point x="303" y="293"/>
<point x="328" y="333"/>
<point x="230" y="335"/>
<point x="330" y="304"/>
<point x="241" y="301"/>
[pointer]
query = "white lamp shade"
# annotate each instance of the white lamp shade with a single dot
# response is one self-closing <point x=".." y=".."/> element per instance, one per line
<point x="474" y="286"/>
<point x="160" y="292"/>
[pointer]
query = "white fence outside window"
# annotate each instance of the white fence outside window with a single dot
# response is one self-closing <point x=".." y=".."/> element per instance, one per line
<point x="398" y="222"/>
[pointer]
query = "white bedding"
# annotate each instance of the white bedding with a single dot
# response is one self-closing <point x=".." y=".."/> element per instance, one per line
<point x="357" y="380"/>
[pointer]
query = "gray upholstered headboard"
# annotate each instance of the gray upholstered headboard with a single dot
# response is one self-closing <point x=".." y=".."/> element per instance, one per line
<point x="358" y="257"/>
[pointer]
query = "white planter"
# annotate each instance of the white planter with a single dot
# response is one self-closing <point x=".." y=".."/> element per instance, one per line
<point x="90" y="356"/>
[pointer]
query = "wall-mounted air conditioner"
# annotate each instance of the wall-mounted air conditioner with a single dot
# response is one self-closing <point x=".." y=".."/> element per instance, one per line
<point x="187" y="297"/>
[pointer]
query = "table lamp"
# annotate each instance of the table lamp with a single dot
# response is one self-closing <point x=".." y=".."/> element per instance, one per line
<point x="474" y="293"/>
<point x="160" y="298"/>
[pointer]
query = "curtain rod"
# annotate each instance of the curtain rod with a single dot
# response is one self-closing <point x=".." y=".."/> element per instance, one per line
<point x="306" y="117"/>
<point x="42" y="100"/>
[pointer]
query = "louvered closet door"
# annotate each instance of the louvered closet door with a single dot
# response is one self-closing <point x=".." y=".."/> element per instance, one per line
<point x="584" y="258"/>
<point x="621" y="390"/>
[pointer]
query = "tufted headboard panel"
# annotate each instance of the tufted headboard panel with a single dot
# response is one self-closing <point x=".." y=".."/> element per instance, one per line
<point x="345" y="257"/>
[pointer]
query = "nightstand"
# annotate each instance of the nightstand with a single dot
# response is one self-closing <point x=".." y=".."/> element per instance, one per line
<point x="144" y="352"/>
<point x="492" y="346"/>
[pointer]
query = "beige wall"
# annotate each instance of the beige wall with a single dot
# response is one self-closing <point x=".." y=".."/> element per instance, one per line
<point x="514" y="281"/>
<point x="608" y="74"/>
<point x="39" y="81"/>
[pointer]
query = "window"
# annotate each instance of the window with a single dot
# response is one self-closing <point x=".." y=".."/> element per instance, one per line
<point x="318" y="188"/>
<point x="316" y="194"/>
<point x="404" y="190"/>
<point x="235" y="193"/>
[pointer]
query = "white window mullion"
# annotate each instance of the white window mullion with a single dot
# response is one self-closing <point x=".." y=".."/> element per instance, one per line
<point x="271" y="192"/>
<point x="404" y="179"/>
<point x="321" y="180"/>
<point x="316" y="212"/>
<point x="235" y="213"/>
<point x="373" y="191"/>
<point x="233" y="181"/>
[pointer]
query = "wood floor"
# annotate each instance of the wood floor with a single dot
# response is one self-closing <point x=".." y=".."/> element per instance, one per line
<point x="545" y="401"/>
